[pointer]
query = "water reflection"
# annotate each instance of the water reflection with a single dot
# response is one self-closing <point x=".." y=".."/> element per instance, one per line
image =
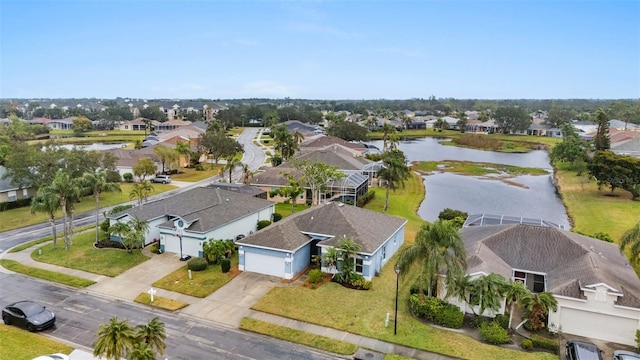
<point x="535" y="199"/>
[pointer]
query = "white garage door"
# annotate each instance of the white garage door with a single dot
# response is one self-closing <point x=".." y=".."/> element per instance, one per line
<point x="264" y="264"/>
<point x="597" y="326"/>
<point x="172" y="245"/>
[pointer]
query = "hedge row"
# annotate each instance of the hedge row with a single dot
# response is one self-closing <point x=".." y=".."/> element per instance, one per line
<point x="545" y="343"/>
<point x="437" y="311"/>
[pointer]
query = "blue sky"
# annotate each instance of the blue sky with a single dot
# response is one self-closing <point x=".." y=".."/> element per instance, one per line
<point x="320" y="49"/>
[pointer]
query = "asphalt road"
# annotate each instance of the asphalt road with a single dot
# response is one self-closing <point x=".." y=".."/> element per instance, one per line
<point x="79" y="314"/>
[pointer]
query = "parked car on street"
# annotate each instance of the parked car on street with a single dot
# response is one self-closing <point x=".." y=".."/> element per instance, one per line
<point x="625" y="355"/>
<point x="164" y="179"/>
<point x="56" y="356"/>
<point x="29" y="315"/>
<point x="582" y="350"/>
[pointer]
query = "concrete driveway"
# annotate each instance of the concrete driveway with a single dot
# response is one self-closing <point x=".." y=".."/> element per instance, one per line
<point x="229" y="304"/>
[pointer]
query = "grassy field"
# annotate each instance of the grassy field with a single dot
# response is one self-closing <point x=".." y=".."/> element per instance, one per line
<point x="202" y="283"/>
<point x="299" y="337"/>
<point x="191" y="175"/>
<point x="364" y="312"/>
<point x="83" y="256"/>
<point x="21" y="217"/>
<point x="18" y="344"/>
<point x="285" y="209"/>
<point x="474" y="168"/>
<point x="46" y="274"/>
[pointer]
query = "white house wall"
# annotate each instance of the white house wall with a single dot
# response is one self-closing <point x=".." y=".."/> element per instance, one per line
<point x="593" y="318"/>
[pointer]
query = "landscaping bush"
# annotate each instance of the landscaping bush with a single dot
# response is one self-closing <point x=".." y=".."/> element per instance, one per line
<point x="502" y="320"/>
<point x="199" y="167"/>
<point x="527" y="344"/>
<point x="128" y="177"/>
<point x="225" y="265"/>
<point x="545" y="343"/>
<point x="437" y="311"/>
<point x="493" y="333"/>
<point x="14" y="204"/>
<point x="478" y="321"/>
<point x="153" y="248"/>
<point x="263" y="224"/>
<point x="197" y="264"/>
<point x="415" y="287"/>
<point x="118" y="208"/>
<point x="450" y="214"/>
<point x="276" y="217"/>
<point x="315" y="276"/>
<point x="104" y="226"/>
<point x="364" y="199"/>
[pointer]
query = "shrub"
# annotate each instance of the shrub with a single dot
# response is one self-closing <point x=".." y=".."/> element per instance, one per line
<point x="638" y="340"/>
<point x="197" y="264"/>
<point x="545" y="343"/>
<point x="415" y="287"/>
<point x="315" y="276"/>
<point x="493" y="333"/>
<point x="502" y="320"/>
<point x="527" y="344"/>
<point x="225" y="265"/>
<point x="14" y="204"/>
<point x="116" y="209"/>
<point x="437" y="311"/>
<point x="263" y="224"/>
<point x="478" y="321"/>
<point x="450" y="214"/>
<point x="153" y="248"/>
<point x="128" y="177"/>
<point x="276" y="217"/>
<point x="199" y="167"/>
<point x="364" y="199"/>
<point x="104" y="226"/>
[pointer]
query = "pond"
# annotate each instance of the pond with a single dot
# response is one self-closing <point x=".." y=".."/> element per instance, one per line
<point x="526" y="196"/>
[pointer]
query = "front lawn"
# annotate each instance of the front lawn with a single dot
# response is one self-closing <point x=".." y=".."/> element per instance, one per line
<point x="364" y="312"/>
<point x="285" y="209"/>
<point x="59" y="278"/>
<point x="192" y="175"/>
<point x="202" y="283"/>
<point x="160" y="302"/>
<point x="83" y="256"/>
<point x="18" y="344"/>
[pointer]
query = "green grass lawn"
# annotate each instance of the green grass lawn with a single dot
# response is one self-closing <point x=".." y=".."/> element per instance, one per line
<point x="364" y="312"/>
<point x="20" y="217"/>
<point x="83" y="256"/>
<point x="191" y="175"/>
<point x="160" y="302"/>
<point x="202" y="283"/>
<point x="18" y="344"/>
<point x="46" y="274"/>
<point x="285" y="209"/>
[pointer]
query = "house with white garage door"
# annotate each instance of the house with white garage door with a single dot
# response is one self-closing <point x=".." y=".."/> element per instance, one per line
<point x="285" y="249"/>
<point x="598" y="292"/>
<point x="184" y="221"/>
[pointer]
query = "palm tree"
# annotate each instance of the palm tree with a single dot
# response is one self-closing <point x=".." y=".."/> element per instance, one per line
<point x="631" y="238"/>
<point x="387" y="133"/>
<point x="47" y="202"/>
<point x="153" y="334"/>
<point x="515" y="291"/>
<point x="488" y="291"/>
<point x="538" y="306"/>
<point x="141" y="191"/>
<point x="183" y="148"/>
<point x="347" y="250"/>
<point x="232" y="162"/>
<point x="67" y="190"/>
<point x="247" y="174"/>
<point x="298" y="137"/>
<point x="97" y="183"/>
<point x="114" y="339"/>
<point x="141" y="351"/>
<point x="438" y="248"/>
<point x="394" y="172"/>
<point x="121" y="230"/>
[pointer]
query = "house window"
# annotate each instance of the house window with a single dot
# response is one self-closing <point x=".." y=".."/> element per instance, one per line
<point x="384" y="253"/>
<point x="538" y="283"/>
<point x="12" y="196"/>
<point x="25" y="193"/>
<point x="359" y="265"/>
<point x="520" y="276"/>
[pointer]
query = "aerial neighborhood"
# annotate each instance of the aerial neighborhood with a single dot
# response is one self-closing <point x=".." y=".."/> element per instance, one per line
<point x="511" y="227"/>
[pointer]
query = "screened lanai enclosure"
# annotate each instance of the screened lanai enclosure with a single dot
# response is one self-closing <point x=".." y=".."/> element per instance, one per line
<point x="347" y="189"/>
<point x="490" y="219"/>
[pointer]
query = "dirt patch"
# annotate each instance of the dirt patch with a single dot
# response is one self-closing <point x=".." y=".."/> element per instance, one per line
<point x="234" y="271"/>
<point x="325" y="279"/>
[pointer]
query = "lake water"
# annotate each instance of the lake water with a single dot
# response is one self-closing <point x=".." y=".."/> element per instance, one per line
<point x="534" y="197"/>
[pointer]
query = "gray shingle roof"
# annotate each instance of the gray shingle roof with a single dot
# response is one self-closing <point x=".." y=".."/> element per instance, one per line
<point x="368" y="228"/>
<point x="568" y="259"/>
<point x="208" y="207"/>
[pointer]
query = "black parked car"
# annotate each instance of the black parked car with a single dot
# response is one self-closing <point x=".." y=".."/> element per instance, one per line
<point x="581" y="350"/>
<point x="29" y="315"/>
<point x="625" y="355"/>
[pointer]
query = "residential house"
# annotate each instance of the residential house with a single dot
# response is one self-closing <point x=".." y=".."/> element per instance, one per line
<point x="10" y="192"/>
<point x="137" y="124"/>
<point x="285" y="249"/>
<point x="171" y="124"/>
<point x="128" y="158"/>
<point x="597" y="290"/>
<point x="184" y="221"/>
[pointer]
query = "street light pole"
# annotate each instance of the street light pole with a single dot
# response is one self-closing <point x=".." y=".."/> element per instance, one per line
<point x="395" y="318"/>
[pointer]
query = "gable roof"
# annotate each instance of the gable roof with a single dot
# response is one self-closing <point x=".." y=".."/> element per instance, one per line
<point x="370" y="229"/>
<point x="569" y="260"/>
<point x="320" y="141"/>
<point x="205" y="208"/>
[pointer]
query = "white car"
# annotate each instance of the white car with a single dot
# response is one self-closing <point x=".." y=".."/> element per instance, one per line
<point x="56" y="356"/>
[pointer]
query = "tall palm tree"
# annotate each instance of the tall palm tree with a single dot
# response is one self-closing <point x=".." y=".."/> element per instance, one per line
<point x="631" y="238"/>
<point x="232" y="162"/>
<point x="298" y="137"/>
<point x="121" y="230"/>
<point x="67" y="191"/>
<point x="247" y="174"/>
<point x="438" y="248"/>
<point x="488" y="290"/>
<point x="515" y="291"/>
<point x="47" y="202"/>
<point x="153" y="333"/>
<point x="394" y="172"/>
<point x="97" y="183"/>
<point x="141" y="191"/>
<point x="141" y="351"/>
<point x="114" y="339"/>
<point x="183" y="148"/>
<point x="538" y="306"/>
<point x="387" y="133"/>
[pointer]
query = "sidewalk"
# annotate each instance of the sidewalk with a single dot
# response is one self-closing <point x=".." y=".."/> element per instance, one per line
<point x="247" y="289"/>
